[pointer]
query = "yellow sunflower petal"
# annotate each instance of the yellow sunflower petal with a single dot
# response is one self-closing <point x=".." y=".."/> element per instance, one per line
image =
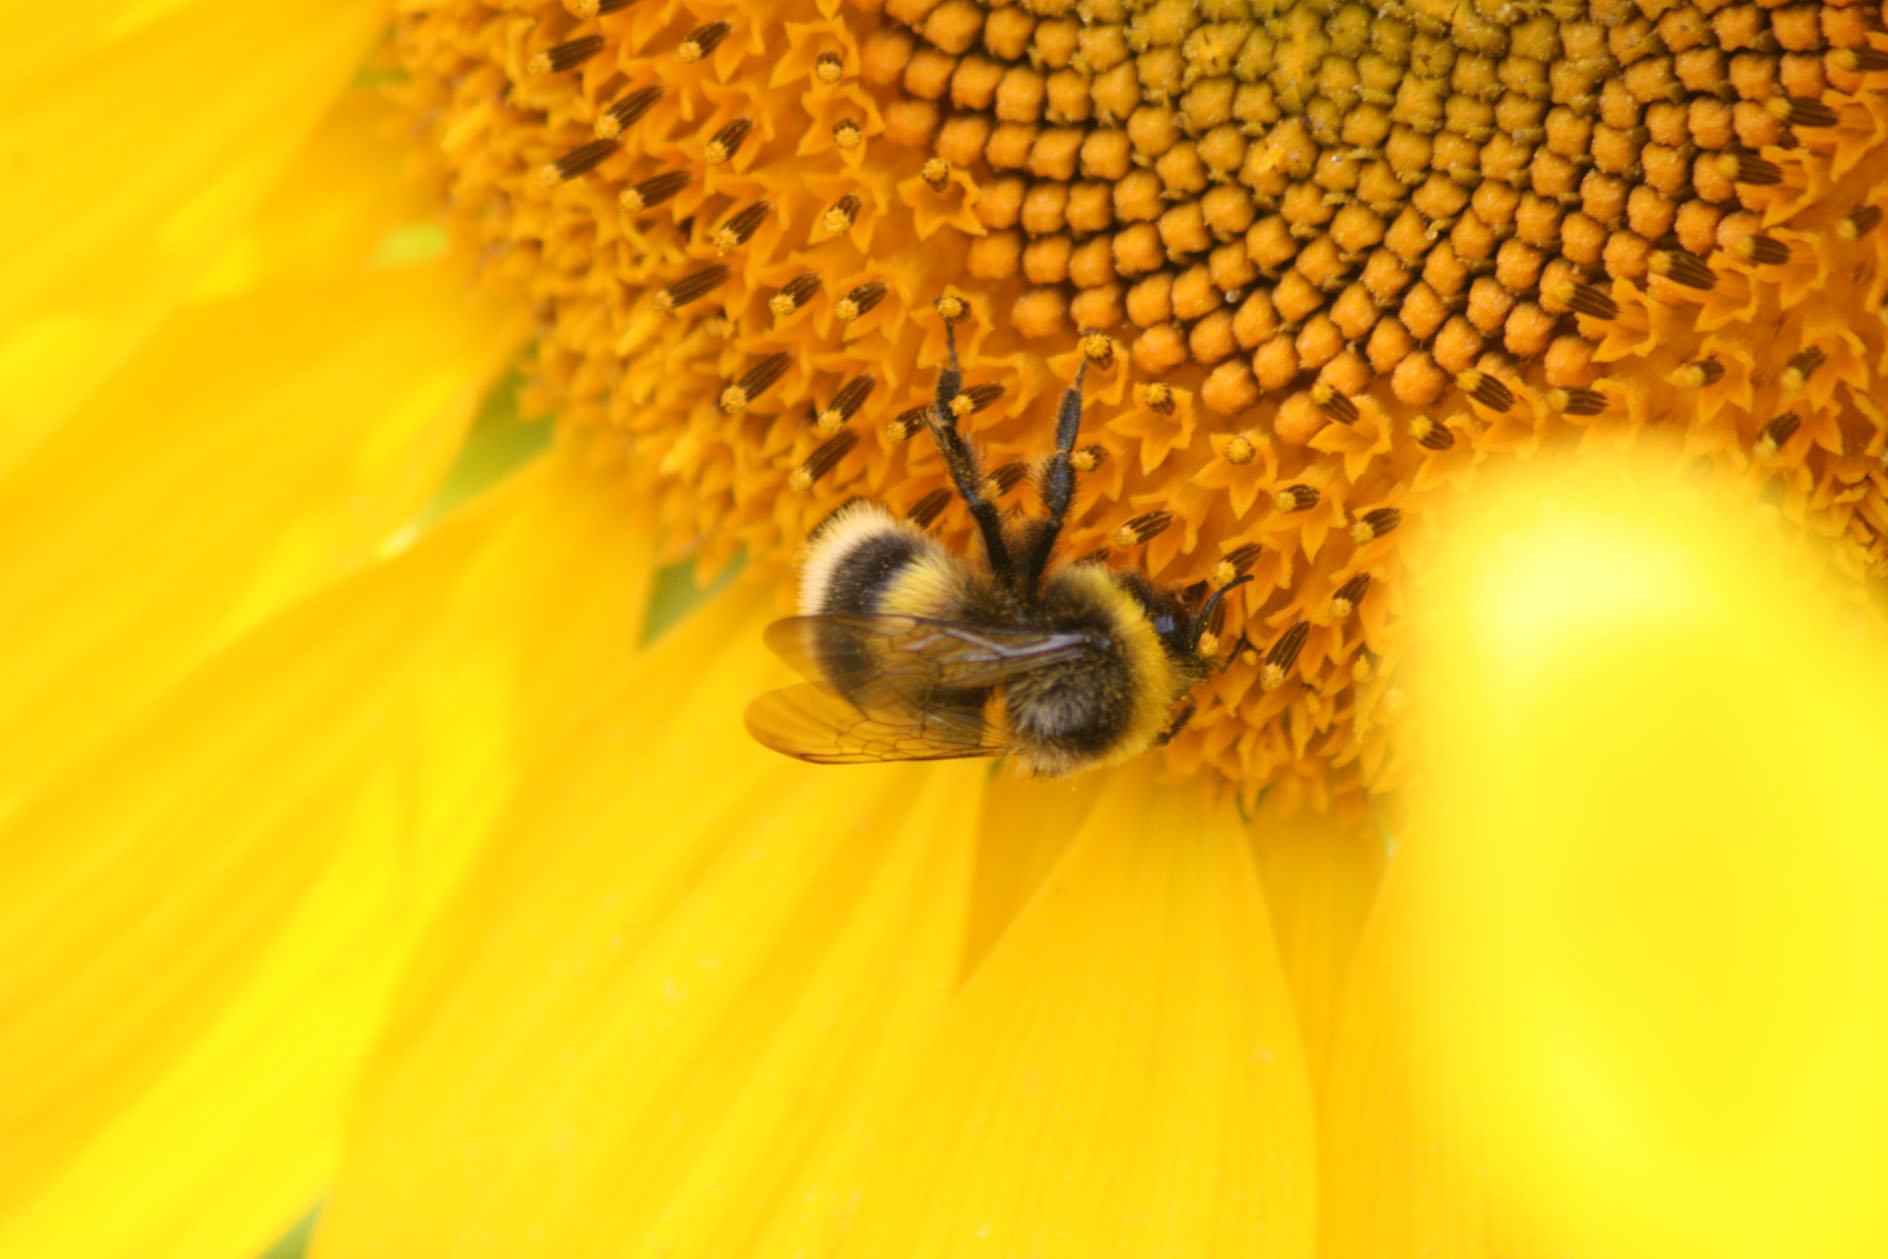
<point x="347" y="201"/>
<point x="203" y="916"/>
<point x="258" y="446"/>
<point x="1123" y="1075"/>
<point x="1320" y="878"/>
<point x="1625" y="992"/>
<point x="131" y="159"/>
<point x="1398" y="1180"/>
<point x="1027" y="825"/>
<point x="694" y="967"/>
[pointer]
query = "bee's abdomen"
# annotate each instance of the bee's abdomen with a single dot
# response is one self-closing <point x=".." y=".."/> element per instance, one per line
<point x="860" y="579"/>
<point x="1107" y="706"/>
<point x="861" y="561"/>
<point x="1078" y="712"/>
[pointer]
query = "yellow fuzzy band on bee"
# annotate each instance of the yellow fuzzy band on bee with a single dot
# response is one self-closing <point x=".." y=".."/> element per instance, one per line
<point x="931" y="585"/>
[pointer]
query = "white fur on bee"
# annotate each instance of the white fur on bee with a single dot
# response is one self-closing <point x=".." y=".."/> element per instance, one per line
<point x="930" y="584"/>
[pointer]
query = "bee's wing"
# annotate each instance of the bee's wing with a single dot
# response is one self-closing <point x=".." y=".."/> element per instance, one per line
<point x="880" y="660"/>
<point x="817" y="723"/>
<point x="897" y="688"/>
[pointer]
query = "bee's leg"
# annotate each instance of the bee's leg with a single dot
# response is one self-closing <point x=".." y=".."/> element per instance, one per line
<point x="950" y="377"/>
<point x="1174" y="727"/>
<point x="962" y="464"/>
<point x="1058" y="480"/>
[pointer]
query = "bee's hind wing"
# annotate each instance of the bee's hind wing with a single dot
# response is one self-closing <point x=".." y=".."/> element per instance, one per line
<point x="897" y="688"/>
<point x="816" y="723"/>
<point x="882" y="659"/>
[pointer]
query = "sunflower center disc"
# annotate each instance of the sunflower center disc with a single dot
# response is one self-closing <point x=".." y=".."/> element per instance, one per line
<point x="1346" y="249"/>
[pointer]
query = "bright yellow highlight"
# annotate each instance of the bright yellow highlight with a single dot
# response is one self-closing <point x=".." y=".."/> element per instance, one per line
<point x="1645" y="886"/>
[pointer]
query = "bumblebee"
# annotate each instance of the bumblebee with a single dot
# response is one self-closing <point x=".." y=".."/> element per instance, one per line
<point x="912" y="652"/>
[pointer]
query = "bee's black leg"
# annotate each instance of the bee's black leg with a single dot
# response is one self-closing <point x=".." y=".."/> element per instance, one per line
<point x="1174" y="727"/>
<point x="1058" y="480"/>
<point x="962" y="464"/>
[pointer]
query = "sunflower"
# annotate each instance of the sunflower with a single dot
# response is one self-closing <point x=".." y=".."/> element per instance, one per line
<point x="376" y="852"/>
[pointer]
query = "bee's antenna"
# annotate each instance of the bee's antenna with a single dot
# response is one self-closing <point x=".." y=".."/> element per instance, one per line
<point x="1206" y="609"/>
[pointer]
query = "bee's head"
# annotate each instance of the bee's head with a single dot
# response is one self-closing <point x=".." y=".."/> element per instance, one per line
<point x="1181" y="631"/>
<point x="1176" y="627"/>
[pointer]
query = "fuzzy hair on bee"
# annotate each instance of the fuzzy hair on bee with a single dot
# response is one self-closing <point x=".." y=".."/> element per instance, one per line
<point x="912" y="651"/>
